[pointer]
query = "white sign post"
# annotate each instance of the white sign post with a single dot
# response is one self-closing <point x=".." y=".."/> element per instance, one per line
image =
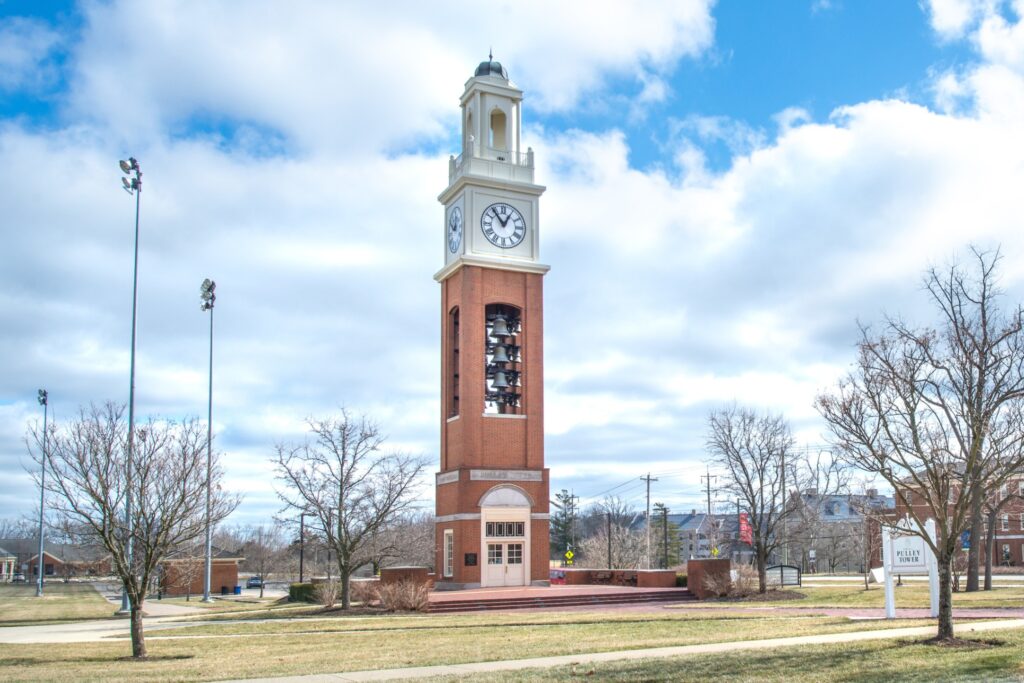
<point x="907" y="553"/>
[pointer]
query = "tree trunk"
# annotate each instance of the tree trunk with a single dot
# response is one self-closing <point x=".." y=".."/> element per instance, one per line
<point x="945" y="561"/>
<point x="762" y="574"/>
<point x="990" y="546"/>
<point x="346" y="598"/>
<point x="972" y="553"/>
<point x="138" y="639"/>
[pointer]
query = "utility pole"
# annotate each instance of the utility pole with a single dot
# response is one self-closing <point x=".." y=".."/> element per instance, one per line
<point x="664" y="530"/>
<point x="706" y="478"/>
<point x="609" y="517"/>
<point x="648" y="479"/>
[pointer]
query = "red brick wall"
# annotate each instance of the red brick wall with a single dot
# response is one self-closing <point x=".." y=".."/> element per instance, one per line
<point x="222" y="573"/>
<point x="697" y="570"/>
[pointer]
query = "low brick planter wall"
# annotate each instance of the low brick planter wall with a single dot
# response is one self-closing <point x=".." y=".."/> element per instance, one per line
<point x="697" y="570"/>
<point x="656" y="578"/>
<point x="398" y="574"/>
<point x="641" y="578"/>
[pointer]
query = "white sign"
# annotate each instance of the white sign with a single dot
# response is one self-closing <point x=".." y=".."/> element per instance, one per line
<point x="904" y="553"/>
<point x="909" y="555"/>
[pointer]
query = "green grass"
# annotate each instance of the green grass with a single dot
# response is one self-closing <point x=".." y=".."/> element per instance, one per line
<point x="60" y="602"/>
<point x="866" y="662"/>
<point x="347" y="644"/>
<point x="908" y="595"/>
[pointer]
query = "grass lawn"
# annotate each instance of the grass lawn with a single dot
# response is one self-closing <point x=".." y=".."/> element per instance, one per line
<point x="868" y="662"/>
<point x="60" y="602"/>
<point x="309" y="646"/>
<point x="907" y="595"/>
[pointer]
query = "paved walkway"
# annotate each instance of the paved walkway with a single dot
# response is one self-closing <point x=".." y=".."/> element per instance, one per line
<point x="483" y="668"/>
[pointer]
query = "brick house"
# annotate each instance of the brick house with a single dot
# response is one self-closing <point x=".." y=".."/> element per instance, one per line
<point x="185" y="573"/>
<point x="60" y="560"/>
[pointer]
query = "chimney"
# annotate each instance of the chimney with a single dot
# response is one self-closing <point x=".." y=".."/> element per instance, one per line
<point x="872" y="493"/>
<point x="811" y="492"/>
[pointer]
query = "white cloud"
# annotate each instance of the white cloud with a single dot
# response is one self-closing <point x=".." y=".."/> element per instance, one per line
<point x="951" y="19"/>
<point x="25" y="48"/>
<point x="673" y="289"/>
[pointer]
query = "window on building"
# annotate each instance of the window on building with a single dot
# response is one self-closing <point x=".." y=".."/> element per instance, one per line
<point x="1004" y="491"/>
<point x="453" y="362"/>
<point x="1006" y="522"/>
<point x="449" y="552"/>
<point x="505" y="529"/>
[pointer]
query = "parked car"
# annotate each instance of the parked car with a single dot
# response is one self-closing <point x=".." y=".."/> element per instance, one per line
<point x="254" y="582"/>
<point x="18" y="578"/>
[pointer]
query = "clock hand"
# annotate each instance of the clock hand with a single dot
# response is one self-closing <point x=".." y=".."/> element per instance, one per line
<point x="503" y="222"/>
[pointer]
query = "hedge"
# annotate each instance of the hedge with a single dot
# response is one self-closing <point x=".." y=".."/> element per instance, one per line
<point x="301" y="592"/>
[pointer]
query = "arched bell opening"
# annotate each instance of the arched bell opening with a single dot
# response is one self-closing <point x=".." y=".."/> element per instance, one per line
<point x="453" y="362"/>
<point x="503" y="358"/>
<point x="499" y="130"/>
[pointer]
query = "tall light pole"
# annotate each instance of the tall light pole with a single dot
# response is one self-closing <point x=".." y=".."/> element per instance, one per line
<point x="40" y="565"/>
<point x="131" y="186"/>
<point x="206" y="293"/>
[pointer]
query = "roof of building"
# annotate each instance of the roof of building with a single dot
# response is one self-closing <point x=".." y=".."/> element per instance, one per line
<point x="4" y="553"/>
<point x="840" y="508"/>
<point x="491" y="68"/>
<point x="65" y="552"/>
<point x="199" y="551"/>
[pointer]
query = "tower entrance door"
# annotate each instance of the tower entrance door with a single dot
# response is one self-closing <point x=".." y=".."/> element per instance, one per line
<point x="505" y="564"/>
<point x="505" y="545"/>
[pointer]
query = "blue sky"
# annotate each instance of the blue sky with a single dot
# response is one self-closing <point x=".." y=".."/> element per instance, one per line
<point x="731" y="186"/>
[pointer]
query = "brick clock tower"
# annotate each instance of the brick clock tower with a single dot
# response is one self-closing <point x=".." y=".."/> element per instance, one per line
<point x="492" y="490"/>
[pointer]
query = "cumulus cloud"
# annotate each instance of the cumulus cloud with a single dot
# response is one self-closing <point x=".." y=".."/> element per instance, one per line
<point x="26" y="48"/>
<point x="299" y="168"/>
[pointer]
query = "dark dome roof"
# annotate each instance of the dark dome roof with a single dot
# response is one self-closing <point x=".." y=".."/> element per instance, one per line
<point x="491" y="68"/>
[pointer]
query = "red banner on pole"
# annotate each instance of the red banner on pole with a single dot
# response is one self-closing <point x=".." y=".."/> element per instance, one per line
<point x="746" y="533"/>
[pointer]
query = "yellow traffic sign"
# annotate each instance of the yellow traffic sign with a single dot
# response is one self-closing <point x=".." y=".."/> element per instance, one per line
<point x="569" y="554"/>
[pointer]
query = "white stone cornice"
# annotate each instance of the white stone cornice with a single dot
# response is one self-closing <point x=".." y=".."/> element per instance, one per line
<point x="498" y="264"/>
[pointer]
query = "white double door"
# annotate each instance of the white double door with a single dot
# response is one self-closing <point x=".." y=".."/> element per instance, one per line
<point x="505" y="565"/>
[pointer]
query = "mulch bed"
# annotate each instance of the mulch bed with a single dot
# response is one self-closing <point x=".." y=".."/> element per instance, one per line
<point x="770" y="596"/>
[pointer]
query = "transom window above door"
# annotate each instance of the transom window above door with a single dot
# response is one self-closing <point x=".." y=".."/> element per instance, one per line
<point x="505" y="529"/>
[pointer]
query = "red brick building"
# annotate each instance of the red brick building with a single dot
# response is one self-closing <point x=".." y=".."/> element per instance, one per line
<point x="492" y="488"/>
<point x="184" y="575"/>
<point x="1008" y="549"/>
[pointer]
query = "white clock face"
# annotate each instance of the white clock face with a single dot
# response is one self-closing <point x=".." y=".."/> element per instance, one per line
<point x="503" y="225"/>
<point x="454" y="229"/>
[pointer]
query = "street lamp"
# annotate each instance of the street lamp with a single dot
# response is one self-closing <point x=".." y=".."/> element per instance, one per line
<point x="208" y="297"/>
<point x="133" y="186"/>
<point x="44" y="402"/>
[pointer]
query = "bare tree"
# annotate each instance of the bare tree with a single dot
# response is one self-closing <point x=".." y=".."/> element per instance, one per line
<point x="265" y="551"/>
<point x="407" y="540"/>
<point x="345" y="481"/>
<point x="760" y="465"/>
<point x="90" y="477"/>
<point x="994" y="504"/>
<point x="19" y="527"/>
<point x="182" y="567"/>
<point x="937" y="413"/>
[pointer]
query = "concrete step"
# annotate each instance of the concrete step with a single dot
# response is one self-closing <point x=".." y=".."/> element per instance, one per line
<point x="535" y="602"/>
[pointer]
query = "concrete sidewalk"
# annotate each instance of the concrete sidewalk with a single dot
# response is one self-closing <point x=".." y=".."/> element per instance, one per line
<point x="477" y="669"/>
